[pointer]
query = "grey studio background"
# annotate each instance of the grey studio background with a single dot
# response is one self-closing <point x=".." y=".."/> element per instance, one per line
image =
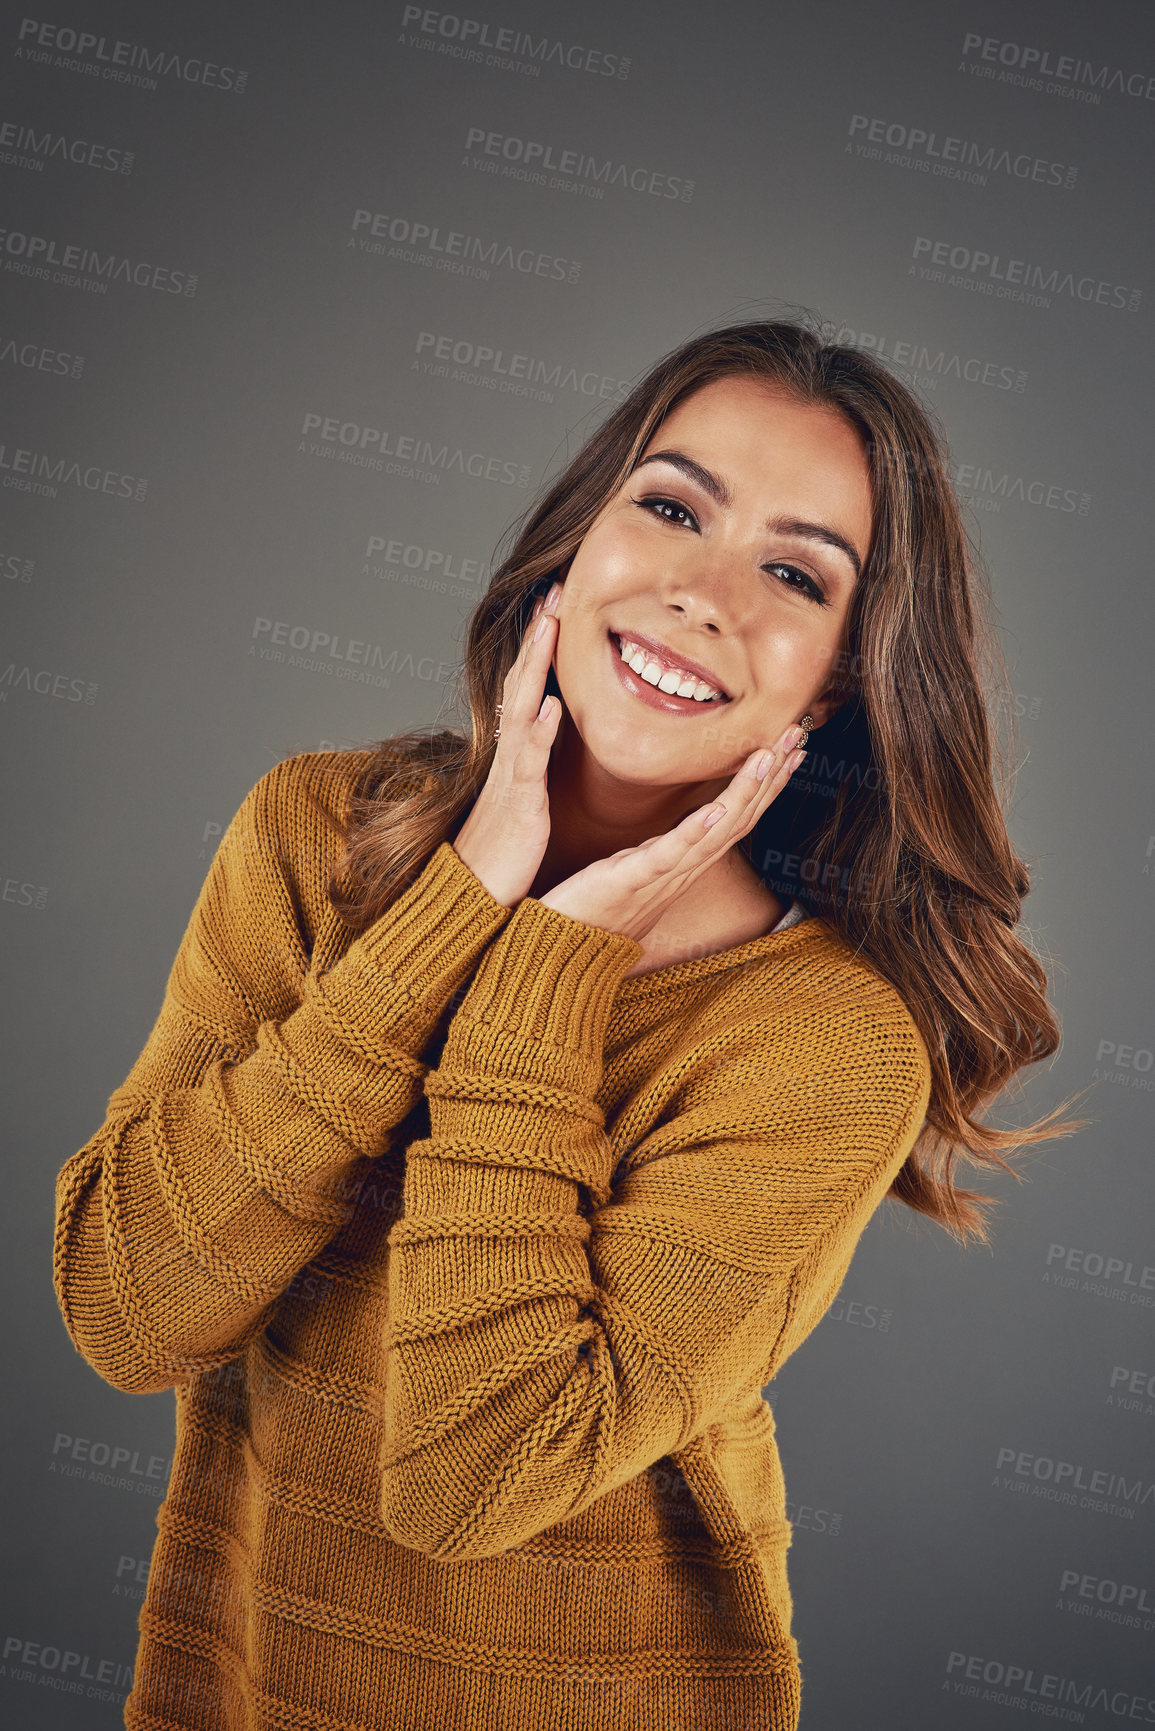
<point x="300" y="306"/>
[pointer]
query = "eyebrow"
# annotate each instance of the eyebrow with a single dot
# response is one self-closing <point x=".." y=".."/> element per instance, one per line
<point x="721" y="495"/>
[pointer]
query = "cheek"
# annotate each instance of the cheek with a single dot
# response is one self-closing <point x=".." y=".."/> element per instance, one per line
<point x="778" y="651"/>
<point x="611" y="554"/>
<point x="792" y="658"/>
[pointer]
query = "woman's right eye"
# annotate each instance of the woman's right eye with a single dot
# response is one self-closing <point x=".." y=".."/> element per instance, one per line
<point x="659" y="506"/>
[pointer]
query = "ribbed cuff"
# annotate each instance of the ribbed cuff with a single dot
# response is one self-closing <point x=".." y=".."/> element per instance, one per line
<point x="550" y="978"/>
<point x="442" y="923"/>
<point x="426" y="946"/>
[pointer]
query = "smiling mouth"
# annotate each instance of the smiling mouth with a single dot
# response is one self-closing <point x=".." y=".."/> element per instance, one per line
<point x="658" y="670"/>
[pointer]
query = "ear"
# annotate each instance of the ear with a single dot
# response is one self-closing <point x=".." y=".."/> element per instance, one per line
<point x="830" y="699"/>
<point x="840" y="688"/>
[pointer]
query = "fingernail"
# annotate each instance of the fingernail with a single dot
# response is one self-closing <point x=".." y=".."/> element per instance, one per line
<point x="542" y="625"/>
<point x="795" y="759"/>
<point x="552" y="598"/>
<point x="537" y="607"/>
<point x="762" y="767"/>
<point x="791" y="737"/>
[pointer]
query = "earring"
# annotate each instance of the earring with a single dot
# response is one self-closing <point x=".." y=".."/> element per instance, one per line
<point x="807" y="723"/>
<point x="497" y="729"/>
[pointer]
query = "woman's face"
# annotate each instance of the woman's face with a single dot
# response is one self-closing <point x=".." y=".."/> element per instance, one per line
<point x="734" y="545"/>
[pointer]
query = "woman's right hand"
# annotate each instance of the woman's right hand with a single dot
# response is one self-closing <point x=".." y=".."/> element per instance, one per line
<point x="503" y="840"/>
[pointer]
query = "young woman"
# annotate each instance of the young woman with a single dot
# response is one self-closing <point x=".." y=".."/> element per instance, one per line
<point x="478" y="1174"/>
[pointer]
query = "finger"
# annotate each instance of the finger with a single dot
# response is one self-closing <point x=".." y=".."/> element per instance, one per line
<point x="683" y="851"/>
<point x="529" y="719"/>
<point x="762" y="793"/>
<point x="693" y="843"/>
<point x="746" y="792"/>
<point x="548" y="603"/>
<point x="536" y="640"/>
<point x="535" y="668"/>
<point x="761" y="789"/>
<point x="524" y="683"/>
<point x="735" y="812"/>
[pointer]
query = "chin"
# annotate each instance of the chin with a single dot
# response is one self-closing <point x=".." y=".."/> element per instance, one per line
<point x="642" y="762"/>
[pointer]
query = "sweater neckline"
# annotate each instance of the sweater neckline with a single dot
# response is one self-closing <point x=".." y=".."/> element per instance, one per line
<point x="674" y="974"/>
<point x="699" y="967"/>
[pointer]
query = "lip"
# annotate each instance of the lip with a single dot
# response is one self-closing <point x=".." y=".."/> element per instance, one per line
<point x="664" y="700"/>
<point x="665" y="653"/>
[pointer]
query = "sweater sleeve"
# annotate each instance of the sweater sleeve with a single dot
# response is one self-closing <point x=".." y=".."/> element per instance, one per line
<point x="229" y="1157"/>
<point x="540" y="1356"/>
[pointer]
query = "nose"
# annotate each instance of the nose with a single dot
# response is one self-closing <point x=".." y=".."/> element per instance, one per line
<point x="711" y="591"/>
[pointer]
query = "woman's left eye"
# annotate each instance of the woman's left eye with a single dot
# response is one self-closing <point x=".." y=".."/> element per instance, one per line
<point x="659" y="507"/>
<point x="810" y="586"/>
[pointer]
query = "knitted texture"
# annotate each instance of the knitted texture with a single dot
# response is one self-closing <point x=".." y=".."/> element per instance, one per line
<point x="468" y="1258"/>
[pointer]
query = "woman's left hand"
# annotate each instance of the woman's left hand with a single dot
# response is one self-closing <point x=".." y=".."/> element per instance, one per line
<point x="631" y="890"/>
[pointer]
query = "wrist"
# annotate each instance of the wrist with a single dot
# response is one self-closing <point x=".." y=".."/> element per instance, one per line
<point x="494" y="883"/>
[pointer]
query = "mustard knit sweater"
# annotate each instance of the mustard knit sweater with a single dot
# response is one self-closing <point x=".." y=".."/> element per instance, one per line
<point x="468" y="1258"/>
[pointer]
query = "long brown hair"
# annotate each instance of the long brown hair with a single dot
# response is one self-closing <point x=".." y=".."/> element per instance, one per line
<point x="893" y="832"/>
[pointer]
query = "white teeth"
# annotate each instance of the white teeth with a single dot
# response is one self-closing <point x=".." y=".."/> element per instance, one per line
<point x="683" y="684"/>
